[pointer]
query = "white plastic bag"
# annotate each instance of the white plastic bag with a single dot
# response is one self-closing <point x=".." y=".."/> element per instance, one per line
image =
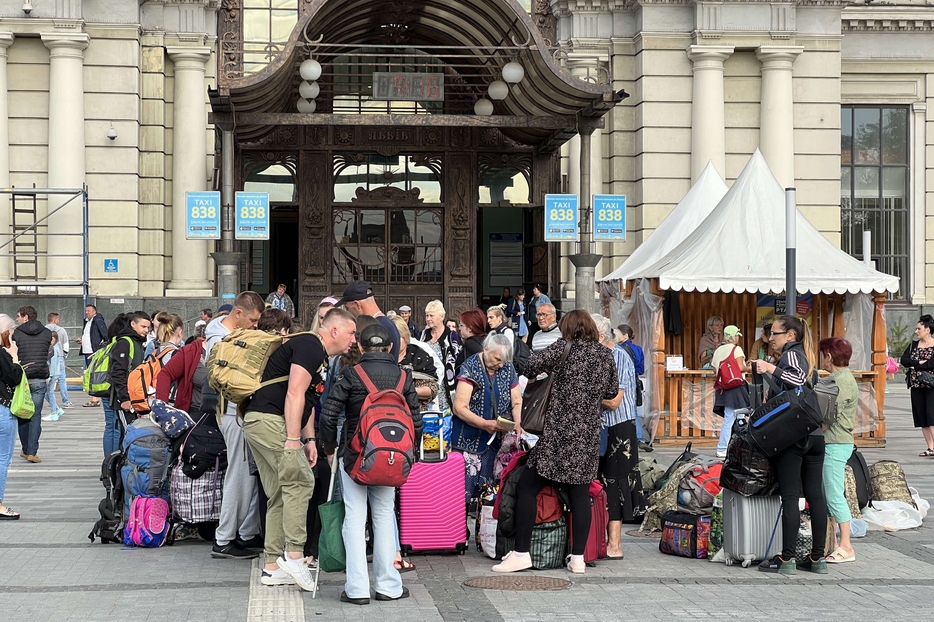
<point x="923" y="505"/>
<point x="488" y="531"/>
<point x="891" y="516"/>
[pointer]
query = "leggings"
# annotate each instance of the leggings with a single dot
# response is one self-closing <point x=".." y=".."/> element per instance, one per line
<point x="801" y="467"/>
<point x="530" y="483"/>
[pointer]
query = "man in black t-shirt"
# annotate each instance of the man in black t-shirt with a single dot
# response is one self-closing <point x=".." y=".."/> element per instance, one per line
<point x="277" y="424"/>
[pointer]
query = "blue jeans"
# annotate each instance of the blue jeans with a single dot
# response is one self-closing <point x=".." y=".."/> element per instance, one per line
<point x="640" y="425"/>
<point x="63" y="384"/>
<point x="386" y="579"/>
<point x="29" y="430"/>
<point x="834" y="479"/>
<point x="50" y="396"/>
<point x="7" y="443"/>
<point x="113" y="432"/>
<point x="729" y="416"/>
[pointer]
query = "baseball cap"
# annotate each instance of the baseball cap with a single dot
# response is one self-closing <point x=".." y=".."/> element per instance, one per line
<point x="375" y="336"/>
<point x="732" y="331"/>
<point x="406" y="308"/>
<point x="355" y="290"/>
<point x="227" y="308"/>
<point x="328" y="300"/>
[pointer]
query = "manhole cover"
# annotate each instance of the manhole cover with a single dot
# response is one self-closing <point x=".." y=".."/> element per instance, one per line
<point x="516" y="583"/>
<point x="644" y="534"/>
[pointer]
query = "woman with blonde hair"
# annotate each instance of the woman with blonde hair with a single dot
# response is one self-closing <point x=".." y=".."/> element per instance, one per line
<point x="444" y="345"/>
<point x="170" y="336"/>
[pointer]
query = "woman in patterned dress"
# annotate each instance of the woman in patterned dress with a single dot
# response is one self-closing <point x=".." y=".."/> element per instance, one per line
<point x="567" y="453"/>
<point x="487" y="388"/>
<point x="918" y="358"/>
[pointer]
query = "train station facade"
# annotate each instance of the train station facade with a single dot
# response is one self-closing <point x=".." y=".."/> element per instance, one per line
<point x="432" y="183"/>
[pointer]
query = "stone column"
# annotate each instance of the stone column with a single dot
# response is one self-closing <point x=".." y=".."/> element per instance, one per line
<point x="189" y="257"/>
<point x="6" y="256"/>
<point x="66" y="152"/>
<point x="708" y="141"/>
<point x="776" y="115"/>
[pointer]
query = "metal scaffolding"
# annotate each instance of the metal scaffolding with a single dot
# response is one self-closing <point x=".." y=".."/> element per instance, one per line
<point x="24" y="245"/>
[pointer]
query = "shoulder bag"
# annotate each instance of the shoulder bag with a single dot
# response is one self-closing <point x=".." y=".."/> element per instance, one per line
<point x="537" y="395"/>
<point x="788" y="417"/>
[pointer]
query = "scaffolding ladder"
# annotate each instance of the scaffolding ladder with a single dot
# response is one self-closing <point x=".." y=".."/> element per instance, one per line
<point x="26" y="236"/>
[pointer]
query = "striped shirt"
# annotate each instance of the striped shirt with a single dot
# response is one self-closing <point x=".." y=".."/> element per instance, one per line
<point x="793" y="368"/>
<point x="626" y="371"/>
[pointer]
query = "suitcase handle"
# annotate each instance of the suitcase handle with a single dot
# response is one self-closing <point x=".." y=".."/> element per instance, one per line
<point x="421" y="448"/>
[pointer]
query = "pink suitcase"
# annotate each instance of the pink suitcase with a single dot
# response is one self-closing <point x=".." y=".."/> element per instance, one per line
<point x="432" y="509"/>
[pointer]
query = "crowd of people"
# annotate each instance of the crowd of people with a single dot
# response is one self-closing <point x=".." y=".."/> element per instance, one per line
<point x="313" y="390"/>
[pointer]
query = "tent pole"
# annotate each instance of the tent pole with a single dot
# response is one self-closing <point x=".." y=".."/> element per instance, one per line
<point x="791" y="294"/>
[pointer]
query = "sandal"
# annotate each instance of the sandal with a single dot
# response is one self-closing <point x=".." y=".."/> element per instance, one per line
<point x="839" y="556"/>
<point x="93" y="404"/>
<point x="403" y="565"/>
<point x="8" y="514"/>
<point x="927" y="453"/>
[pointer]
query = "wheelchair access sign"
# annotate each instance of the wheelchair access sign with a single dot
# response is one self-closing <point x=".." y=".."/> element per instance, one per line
<point x="562" y="216"/>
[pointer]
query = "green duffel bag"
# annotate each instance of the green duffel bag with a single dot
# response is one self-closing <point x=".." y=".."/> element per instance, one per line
<point x="549" y="544"/>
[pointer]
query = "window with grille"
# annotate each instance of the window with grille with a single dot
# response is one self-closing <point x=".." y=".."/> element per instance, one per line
<point x="874" y="186"/>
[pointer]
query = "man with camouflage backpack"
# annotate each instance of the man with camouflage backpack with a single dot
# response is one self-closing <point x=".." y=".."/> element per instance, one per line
<point x="238" y="529"/>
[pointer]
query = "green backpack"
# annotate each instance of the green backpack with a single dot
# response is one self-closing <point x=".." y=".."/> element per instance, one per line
<point x="97" y="374"/>
<point x="22" y="405"/>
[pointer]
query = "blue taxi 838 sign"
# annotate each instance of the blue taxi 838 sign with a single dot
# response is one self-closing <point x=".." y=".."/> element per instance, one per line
<point x="562" y="215"/>
<point x="252" y="216"/>
<point x="203" y="215"/>
<point x="609" y="217"/>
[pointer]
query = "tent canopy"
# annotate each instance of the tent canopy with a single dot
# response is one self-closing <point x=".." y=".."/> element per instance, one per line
<point x="683" y="219"/>
<point x="740" y="247"/>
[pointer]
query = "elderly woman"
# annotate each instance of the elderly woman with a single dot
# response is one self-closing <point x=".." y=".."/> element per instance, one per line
<point x="835" y="354"/>
<point x="619" y="464"/>
<point x="445" y="347"/>
<point x="10" y="375"/>
<point x="472" y="329"/>
<point x="917" y="358"/>
<point x="726" y="401"/>
<point x="417" y="358"/>
<point x="710" y="341"/>
<point x="567" y="453"/>
<point x="487" y="388"/>
<point x="496" y="318"/>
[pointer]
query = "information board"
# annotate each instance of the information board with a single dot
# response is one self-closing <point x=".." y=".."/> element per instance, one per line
<point x="203" y="215"/>
<point x="407" y="86"/>
<point x="252" y="216"/>
<point x="505" y="259"/>
<point x="562" y="216"/>
<point x="609" y="217"/>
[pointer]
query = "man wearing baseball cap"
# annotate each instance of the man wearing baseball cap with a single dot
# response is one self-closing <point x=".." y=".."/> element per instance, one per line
<point x="726" y="401"/>
<point x="358" y="299"/>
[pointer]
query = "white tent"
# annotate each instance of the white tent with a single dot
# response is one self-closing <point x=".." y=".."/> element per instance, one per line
<point x="740" y="247"/>
<point x="683" y="219"/>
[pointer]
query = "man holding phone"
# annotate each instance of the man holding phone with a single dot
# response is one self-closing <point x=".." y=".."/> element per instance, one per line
<point x="91" y="339"/>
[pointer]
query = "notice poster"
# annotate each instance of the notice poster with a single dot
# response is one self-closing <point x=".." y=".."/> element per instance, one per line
<point x="768" y="307"/>
<point x="506" y="260"/>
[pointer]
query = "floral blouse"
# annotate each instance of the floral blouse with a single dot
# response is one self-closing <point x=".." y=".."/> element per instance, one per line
<point x="491" y="398"/>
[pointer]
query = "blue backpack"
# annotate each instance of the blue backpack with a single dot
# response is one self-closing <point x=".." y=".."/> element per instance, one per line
<point x="148" y="454"/>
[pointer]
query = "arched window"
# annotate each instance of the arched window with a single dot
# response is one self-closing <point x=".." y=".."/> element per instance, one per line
<point x="277" y="180"/>
<point x="267" y="25"/>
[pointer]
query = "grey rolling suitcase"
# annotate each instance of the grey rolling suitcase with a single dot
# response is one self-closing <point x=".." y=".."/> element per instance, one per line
<point x="751" y="529"/>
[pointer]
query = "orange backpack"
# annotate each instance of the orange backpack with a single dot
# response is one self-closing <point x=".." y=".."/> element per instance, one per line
<point x="141" y="383"/>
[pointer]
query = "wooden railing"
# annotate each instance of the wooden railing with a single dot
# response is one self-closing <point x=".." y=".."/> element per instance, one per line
<point x="674" y="429"/>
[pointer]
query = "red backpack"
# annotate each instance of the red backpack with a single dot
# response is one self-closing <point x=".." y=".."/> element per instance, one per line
<point x="385" y="438"/>
<point x="729" y="375"/>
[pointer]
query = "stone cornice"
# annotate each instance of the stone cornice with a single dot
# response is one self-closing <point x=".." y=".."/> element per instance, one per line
<point x="887" y="18"/>
<point x="66" y="40"/>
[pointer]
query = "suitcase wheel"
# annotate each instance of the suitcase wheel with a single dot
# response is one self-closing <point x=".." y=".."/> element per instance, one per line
<point x="462" y="548"/>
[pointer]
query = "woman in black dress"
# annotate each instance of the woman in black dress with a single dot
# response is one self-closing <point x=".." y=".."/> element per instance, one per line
<point x="917" y="360"/>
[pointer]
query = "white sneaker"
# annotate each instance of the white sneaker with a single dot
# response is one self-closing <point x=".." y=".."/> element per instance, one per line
<point x="576" y="564"/>
<point x="514" y="562"/>
<point x="276" y="577"/>
<point x="297" y="569"/>
<point x="721" y="453"/>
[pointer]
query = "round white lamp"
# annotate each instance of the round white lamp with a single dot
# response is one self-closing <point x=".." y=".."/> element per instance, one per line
<point x="513" y="72"/>
<point x="309" y="90"/>
<point x="483" y="107"/>
<point x="305" y="106"/>
<point x="498" y="90"/>
<point x="310" y="70"/>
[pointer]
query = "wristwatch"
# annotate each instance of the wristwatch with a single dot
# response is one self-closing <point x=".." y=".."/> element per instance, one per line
<point x="308" y="439"/>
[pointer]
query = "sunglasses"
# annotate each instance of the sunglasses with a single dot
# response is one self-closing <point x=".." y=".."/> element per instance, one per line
<point x="779" y="332"/>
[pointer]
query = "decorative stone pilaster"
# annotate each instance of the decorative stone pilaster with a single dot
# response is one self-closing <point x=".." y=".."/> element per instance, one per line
<point x="6" y="40"/>
<point x="708" y="133"/>
<point x="189" y="257"/>
<point x="776" y="117"/>
<point x="66" y="152"/>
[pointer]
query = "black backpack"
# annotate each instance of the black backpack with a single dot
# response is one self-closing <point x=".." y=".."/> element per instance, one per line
<point x="861" y="473"/>
<point x="520" y="355"/>
<point x="204" y="448"/>
<point x="110" y="526"/>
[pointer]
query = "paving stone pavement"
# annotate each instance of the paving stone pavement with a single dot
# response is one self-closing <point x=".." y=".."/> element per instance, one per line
<point x="52" y="572"/>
